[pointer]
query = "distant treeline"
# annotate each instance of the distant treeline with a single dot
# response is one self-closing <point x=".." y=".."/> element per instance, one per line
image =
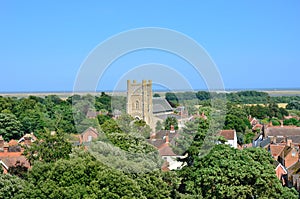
<point x="38" y="114"/>
<point x="242" y="97"/>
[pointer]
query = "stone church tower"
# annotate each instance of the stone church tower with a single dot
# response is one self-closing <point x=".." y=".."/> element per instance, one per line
<point x="139" y="100"/>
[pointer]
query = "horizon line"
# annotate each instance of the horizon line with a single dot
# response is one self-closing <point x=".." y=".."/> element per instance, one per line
<point x="154" y="90"/>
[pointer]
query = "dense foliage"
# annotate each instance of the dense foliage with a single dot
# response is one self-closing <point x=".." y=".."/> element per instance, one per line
<point x="50" y="148"/>
<point x="122" y="164"/>
<point x="230" y="173"/>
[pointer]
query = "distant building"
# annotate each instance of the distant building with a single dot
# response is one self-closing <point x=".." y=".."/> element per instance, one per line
<point x="163" y="140"/>
<point x="85" y="138"/>
<point x="27" y="139"/>
<point x="230" y="136"/>
<point x="11" y="154"/>
<point x="88" y="135"/>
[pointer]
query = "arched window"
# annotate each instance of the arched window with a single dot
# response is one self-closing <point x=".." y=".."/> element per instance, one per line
<point x="137" y="105"/>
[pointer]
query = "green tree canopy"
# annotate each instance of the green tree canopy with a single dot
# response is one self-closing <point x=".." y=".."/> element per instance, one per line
<point x="80" y="177"/>
<point x="293" y="105"/>
<point x="12" y="187"/>
<point x="170" y="121"/>
<point x="49" y="149"/>
<point x="230" y="173"/>
<point x="10" y="126"/>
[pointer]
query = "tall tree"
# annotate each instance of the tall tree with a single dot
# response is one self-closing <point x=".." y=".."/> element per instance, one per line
<point x="82" y="176"/>
<point x="12" y="187"/>
<point x="50" y="148"/>
<point x="230" y="173"/>
<point x="170" y="121"/>
<point x="10" y="126"/>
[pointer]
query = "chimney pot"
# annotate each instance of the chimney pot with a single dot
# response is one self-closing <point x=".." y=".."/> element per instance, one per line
<point x="172" y="130"/>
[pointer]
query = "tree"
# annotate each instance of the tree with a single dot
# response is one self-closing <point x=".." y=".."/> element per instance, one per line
<point x="10" y="126"/>
<point x="293" y="105"/>
<point x="156" y="95"/>
<point x="19" y="169"/>
<point x="291" y="121"/>
<point x="191" y="139"/>
<point x="11" y="187"/>
<point x="86" y="123"/>
<point x="170" y="121"/>
<point x="275" y="122"/>
<point x="6" y="103"/>
<point x="159" y="126"/>
<point x="203" y="95"/>
<point x="110" y="126"/>
<point x="152" y="184"/>
<point x="49" y="149"/>
<point x="103" y="102"/>
<point x="172" y="99"/>
<point x="236" y="118"/>
<point x="230" y="173"/>
<point x="249" y="135"/>
<point x="140" y="127"/>
<point x="82" y="176"/>
<point x="103" y="118"/>
<point x="237" y="123"/>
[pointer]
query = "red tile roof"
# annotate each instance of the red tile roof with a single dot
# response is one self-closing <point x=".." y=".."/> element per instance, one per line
<point x="276" y="149"/>
<point x="227" y="134"/>
<point x="11" y="158"/>
<point x="12" y="143"/>
<point x="166" y="150"/>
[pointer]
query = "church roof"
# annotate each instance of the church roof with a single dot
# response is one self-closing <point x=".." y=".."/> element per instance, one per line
<point x="161" y="105"/>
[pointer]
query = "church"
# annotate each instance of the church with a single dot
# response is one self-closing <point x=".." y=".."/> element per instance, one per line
<point x="142" y="105"/>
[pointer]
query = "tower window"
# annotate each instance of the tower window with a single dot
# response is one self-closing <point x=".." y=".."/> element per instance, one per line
<point x="137" y="105"/>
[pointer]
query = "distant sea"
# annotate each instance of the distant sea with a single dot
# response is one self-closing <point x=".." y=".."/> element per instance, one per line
<point x="270" y="91"/>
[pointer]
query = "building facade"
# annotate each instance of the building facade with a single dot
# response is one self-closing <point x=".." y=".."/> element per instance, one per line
<point x="139" y="100"/>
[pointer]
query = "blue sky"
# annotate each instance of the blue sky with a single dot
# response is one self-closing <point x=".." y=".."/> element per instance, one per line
<point x="255" y="44"/>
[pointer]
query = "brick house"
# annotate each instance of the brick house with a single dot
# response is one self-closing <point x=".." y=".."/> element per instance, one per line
<point x="289" y="156"/>
<point x="162" y="140"/>
<point x="88" y="135"/>
<point x="10" y="159"/>
<point x="276" y="150"/>
<point x="11" y="154"/>
<point x="281" y="172"/>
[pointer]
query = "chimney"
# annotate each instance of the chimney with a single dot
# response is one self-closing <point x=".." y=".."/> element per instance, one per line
<point x="281" y="122"/>
<point x="172" y="130"/>
<point x="274" y="139"/>
<point x="1" y="141"/>
<point x="289" y="142"/>
<point x="5" y="148"/>
<point x="270" y="123"/>
<point x="167" y="137"/>
<point x="153" y="136"/>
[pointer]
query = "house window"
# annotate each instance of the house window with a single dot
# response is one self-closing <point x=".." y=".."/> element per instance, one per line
<point x="293" y="153"/>
<point x="90" y="138"/>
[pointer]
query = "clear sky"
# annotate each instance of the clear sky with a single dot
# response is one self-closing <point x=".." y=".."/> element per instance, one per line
<point x="255" y="44"/>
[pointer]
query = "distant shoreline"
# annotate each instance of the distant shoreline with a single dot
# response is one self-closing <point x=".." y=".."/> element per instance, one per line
<point x="271" y="92"/>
